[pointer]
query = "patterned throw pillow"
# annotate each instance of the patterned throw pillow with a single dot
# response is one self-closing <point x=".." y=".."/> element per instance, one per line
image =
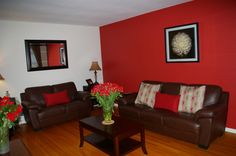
<point x="147" y="93"/>
<point x="191" y="98"/>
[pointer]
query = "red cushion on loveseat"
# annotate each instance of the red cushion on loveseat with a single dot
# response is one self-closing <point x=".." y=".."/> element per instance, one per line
<point x="56" y="98"/>
<point x="167" y="101"/>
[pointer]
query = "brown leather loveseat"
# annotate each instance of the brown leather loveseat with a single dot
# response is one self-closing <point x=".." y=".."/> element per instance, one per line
<point x="39" y="115"/>
<point x="200" y="128"/>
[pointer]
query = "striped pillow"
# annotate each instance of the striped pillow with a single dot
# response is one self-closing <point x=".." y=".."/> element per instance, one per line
<point x="146" y="94"/>
<point x="191" y="98"/>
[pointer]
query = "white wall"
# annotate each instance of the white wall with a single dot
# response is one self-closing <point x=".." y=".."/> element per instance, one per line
<point x="83" y="46"/>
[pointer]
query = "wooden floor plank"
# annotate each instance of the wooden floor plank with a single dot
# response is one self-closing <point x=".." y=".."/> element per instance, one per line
<point x="63" y="140"/>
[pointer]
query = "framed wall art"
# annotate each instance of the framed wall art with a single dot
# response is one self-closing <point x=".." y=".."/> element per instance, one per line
<point x="181" y="43"/>
<point x="46" y="54"/>
<point x="89" y="82"/>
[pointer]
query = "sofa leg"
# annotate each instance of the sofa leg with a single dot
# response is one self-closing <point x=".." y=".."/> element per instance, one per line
<point x="203" y="147"/>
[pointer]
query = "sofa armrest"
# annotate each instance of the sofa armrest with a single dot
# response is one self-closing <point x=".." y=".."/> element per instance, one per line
<point x="30" y="105"/>
<point x="212" y="120"/>
<point x="207" y="112"/>
<point x="86" y="97"/>
<point x="127" y="99"/>
<point x="83" y="95"/>
<point x="214" y="110"/>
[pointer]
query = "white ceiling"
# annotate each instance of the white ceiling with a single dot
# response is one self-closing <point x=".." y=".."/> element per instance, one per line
<point x="79" y="12"/>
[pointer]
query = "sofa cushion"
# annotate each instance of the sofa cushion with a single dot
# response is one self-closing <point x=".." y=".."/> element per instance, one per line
<point x="51" y="112"/>
<point x="51" y="116"/>
<point x="35" y="94"/>
<point x="153" y="119"/>
<point x="56" y="98"/>
<point x="75" y="106"/>
<point x="167" y="101"/>
<point x="146" y="94"/>
<point x="182" y="127"/>
<point x="69" y="86"/>
<point x="180" y="122"/>
<point x="191" y="99"/>
<point x="76" y="109"/>
<point x="131" y="111"/>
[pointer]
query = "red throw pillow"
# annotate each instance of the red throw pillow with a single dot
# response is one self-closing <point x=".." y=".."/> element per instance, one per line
<point x="56" y="98"/>
<point x="167" y="101"/>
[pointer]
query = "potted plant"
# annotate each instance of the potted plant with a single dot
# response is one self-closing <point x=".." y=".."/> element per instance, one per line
<point x="9" y="113"/>
<point x="106" y="94"/>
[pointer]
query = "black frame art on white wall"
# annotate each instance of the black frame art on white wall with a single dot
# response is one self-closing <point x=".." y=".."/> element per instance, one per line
<point x="181" y="43"/>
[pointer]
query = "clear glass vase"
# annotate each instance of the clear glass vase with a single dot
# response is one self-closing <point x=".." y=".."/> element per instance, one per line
<point x="4" y="140"/>
<point x="107" y="115"/>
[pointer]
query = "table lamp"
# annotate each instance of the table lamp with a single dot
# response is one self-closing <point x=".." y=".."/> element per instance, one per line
<point x="94" y="67"/>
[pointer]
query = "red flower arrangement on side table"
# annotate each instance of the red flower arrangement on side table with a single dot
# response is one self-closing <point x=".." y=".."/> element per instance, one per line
<point x="9" y="113"/>
<point x="106" y="94"/>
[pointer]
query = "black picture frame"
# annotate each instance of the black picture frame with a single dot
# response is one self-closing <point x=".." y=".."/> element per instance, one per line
<point x="35" y="49"/>
<point x="181" y="43"/>
<point x="89" y="82"/>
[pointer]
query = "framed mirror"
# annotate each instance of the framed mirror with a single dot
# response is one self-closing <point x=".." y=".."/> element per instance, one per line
<point x="46" y="54"/>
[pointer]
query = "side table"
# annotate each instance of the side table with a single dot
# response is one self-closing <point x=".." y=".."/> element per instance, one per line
<point x="87" y="88"/>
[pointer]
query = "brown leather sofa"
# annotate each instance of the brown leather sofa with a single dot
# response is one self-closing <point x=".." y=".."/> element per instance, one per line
<point x="200" y="128"/>
<point x="39" y="115"/>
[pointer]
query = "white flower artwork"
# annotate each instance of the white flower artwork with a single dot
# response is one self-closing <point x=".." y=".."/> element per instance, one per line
<point x="181" y="44"/>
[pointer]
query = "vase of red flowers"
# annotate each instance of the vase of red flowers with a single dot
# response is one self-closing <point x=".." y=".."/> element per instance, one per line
<point x="9" y="113"/>
<point x="106" y="94"/>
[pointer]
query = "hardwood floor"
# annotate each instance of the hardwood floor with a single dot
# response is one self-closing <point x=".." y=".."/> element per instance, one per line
<point x="63" y="140"/>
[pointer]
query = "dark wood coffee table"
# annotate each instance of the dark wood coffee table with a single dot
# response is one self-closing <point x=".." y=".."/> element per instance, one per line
<point x="112" y="139"/>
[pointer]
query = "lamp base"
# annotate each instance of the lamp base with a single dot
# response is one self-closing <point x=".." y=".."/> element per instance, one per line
<point x="95" y="83"/>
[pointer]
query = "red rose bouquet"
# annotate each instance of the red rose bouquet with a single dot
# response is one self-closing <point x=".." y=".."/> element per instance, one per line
<point x="9" y="112"/>
<point x="106" y="94"/>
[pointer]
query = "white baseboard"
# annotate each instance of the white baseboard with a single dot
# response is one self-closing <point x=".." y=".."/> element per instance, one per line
<point x="231" y="130"/>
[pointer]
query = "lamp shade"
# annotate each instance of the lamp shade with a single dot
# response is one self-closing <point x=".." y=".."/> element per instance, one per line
<point x="95" y="66"/>
<point x="1" y="78"/>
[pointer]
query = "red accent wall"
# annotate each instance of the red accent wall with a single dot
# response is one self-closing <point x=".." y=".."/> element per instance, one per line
<point x="134" y="49"/>
<point x="54" y="54"/>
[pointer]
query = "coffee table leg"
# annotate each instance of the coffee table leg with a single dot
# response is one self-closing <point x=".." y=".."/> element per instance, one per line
<point x="81" y="133"/>
<point x="116" y="146"/>
<point x="142" y="134"/>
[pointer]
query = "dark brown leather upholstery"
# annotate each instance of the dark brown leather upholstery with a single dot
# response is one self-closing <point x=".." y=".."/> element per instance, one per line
<point x="70" y="87"/>
<point x="39" y="115"/>
<point x="200" y="128"/>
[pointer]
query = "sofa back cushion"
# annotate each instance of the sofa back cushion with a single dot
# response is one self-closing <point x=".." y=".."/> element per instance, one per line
<point x="69" y="86"/>
<point x="146" y="94"/>
<point x="35" y="94"/>
<point x="212" y="93"/>
<point x="52" y="99"/>
<point x="170" y="88"/>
